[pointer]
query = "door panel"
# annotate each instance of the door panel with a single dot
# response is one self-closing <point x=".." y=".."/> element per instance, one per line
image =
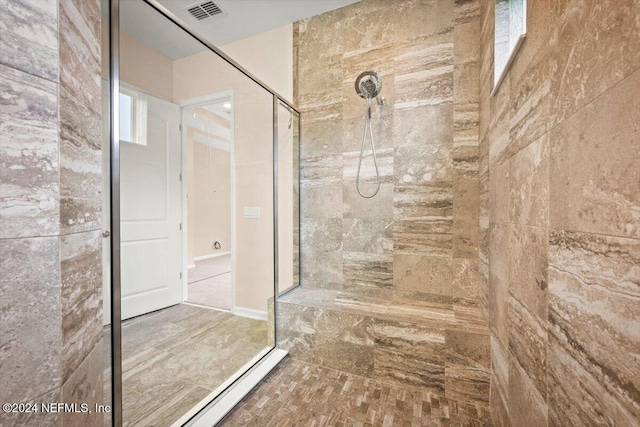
<point x="151" y="206"/>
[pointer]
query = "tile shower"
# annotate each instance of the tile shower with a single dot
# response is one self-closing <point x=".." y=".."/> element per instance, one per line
<point x="391" y="285"/>
<point x="498" y="265"/>
<point x="493" y="280"/>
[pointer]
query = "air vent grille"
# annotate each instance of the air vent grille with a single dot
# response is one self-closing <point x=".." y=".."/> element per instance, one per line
<point x="204" y="10"/>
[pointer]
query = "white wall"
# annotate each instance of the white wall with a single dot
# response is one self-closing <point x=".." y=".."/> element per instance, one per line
<point x="269" y="57"/>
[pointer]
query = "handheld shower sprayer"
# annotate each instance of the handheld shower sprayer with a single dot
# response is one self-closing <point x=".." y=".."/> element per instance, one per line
<point x="368" y="86"/>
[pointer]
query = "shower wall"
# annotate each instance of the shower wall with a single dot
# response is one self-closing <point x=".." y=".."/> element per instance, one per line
<point x="390" y="285"/>
<point x="421" y="231"/>
<point x="50" y="208"/>
<point x="560" y="203"/>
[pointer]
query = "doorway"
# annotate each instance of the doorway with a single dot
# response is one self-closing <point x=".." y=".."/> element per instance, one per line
<point x="207" y="135"/>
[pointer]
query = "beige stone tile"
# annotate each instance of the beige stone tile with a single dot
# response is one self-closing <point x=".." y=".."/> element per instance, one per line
<point x="297" y="330"/>
<point x="385" y="160"/>
<point x="29" y="190"/>
<point x="466" y="199"/>
<point x="529" y="185"/>
<point x="528" y="264"/>
<point x="320" y="36"/>
<point x="466" y="280"/>
<point x="80" y="55"/>
<point x="424" y="71"/>
<point x="321" y="251"/>
<point x="430" y="124"/>
<point x="29" y="37"/>
<point x="593" y="328"/>
<point x="498" y="130"/>
<point x="466" y="82"/>
<point x="499" y="253"/>
<point x="466" y="236"/>
<point x="322" y="106"/>
<point x="413" y="18"/>
<point x="423" y="201"/>
<point x="465" y="162"/>
<point x="355" y="206"/>
<point x="466" y="32"/>
<point x="422" y="164"/>
<point x="409" y="355"/>
<point x="30" y="305"/>
<point x="367" y="235"/>
<point x="367" y="273"/>
<point x="594" y="174"/>
<point x="587" y="57"/>
<point x="345" y="342"/>
<point x="366" y="26"/>
<point x="321" y="138"/>
<point x="422" y="273"/>
<point x="80" y="149"/>
<point x="466" y="118"/>
<point x="498" y="398"/>
<point x="499" y="192"/>
<point x="428" y="237"/>
<point x="85" y="385"/>
<point x="80" y="215"/>
<point x="526" y="406"/>
<point x="528" y="344"/>
<point x="530" y="101"/>
<point x="81" y="297"/>
<point x="318" y="76"/>
<point x="321" y="171"/>
<point x="323" y="201"/>
<point x="467" y="370"/>
<point x="376" y="57"/>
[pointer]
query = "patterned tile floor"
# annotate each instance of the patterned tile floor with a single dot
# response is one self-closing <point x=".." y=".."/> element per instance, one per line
<point x="302" y="394"/>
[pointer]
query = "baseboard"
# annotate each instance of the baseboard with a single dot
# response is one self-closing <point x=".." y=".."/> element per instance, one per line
<point x="250" y="313"/>
<point x="189" y="267"/>
<point x="203" y="257"/>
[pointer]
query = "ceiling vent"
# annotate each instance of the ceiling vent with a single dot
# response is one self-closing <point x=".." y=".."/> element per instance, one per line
<point x="204" y="10"/>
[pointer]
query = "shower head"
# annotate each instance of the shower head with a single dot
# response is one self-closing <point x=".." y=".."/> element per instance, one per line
<point x="368" y="85"/>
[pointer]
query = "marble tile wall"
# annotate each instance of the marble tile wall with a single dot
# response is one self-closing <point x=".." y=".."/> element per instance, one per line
<point x="50" y="207"/>
<point x="559" y="203"/>
<point x="424" y="222"/>
<point x="410" y="252"/>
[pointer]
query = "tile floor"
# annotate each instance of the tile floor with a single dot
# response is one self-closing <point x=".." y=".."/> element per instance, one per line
<point x="303" y="394"/>
<point x="173" y="358"/>
<point x="210" y="283"/>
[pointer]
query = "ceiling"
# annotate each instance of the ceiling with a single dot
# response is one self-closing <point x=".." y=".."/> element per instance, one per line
<point x="240" y="19"/>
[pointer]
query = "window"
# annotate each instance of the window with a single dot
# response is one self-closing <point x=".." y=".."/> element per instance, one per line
<point x="510" y="30"/>
<point x="133" y="117"/>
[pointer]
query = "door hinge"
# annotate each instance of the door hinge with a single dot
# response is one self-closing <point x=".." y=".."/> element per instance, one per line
<point x="180" y="226"/>
<point x="180" y="126"/>
<point x="181" y="274"/>
<point x="180" y="177"/>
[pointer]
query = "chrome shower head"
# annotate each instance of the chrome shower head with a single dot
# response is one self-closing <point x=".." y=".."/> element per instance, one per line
<point x="369" y="85"/>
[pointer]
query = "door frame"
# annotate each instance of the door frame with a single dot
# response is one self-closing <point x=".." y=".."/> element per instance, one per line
<point x="199" y="102"/>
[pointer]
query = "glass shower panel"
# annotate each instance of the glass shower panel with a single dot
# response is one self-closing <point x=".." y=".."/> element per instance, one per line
<point x="105" y="84"/>
<point x="288" y="199"/>
<point x="197" y="220"/>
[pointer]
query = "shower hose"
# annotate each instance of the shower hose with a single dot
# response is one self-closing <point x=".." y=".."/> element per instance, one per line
<point x="367" y="125"/>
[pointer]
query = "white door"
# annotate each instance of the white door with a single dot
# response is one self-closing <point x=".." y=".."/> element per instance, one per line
<point x="151" y="209"/>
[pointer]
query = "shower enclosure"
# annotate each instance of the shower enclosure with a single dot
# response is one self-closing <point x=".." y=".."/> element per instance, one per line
<point x="174" y="95"/>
